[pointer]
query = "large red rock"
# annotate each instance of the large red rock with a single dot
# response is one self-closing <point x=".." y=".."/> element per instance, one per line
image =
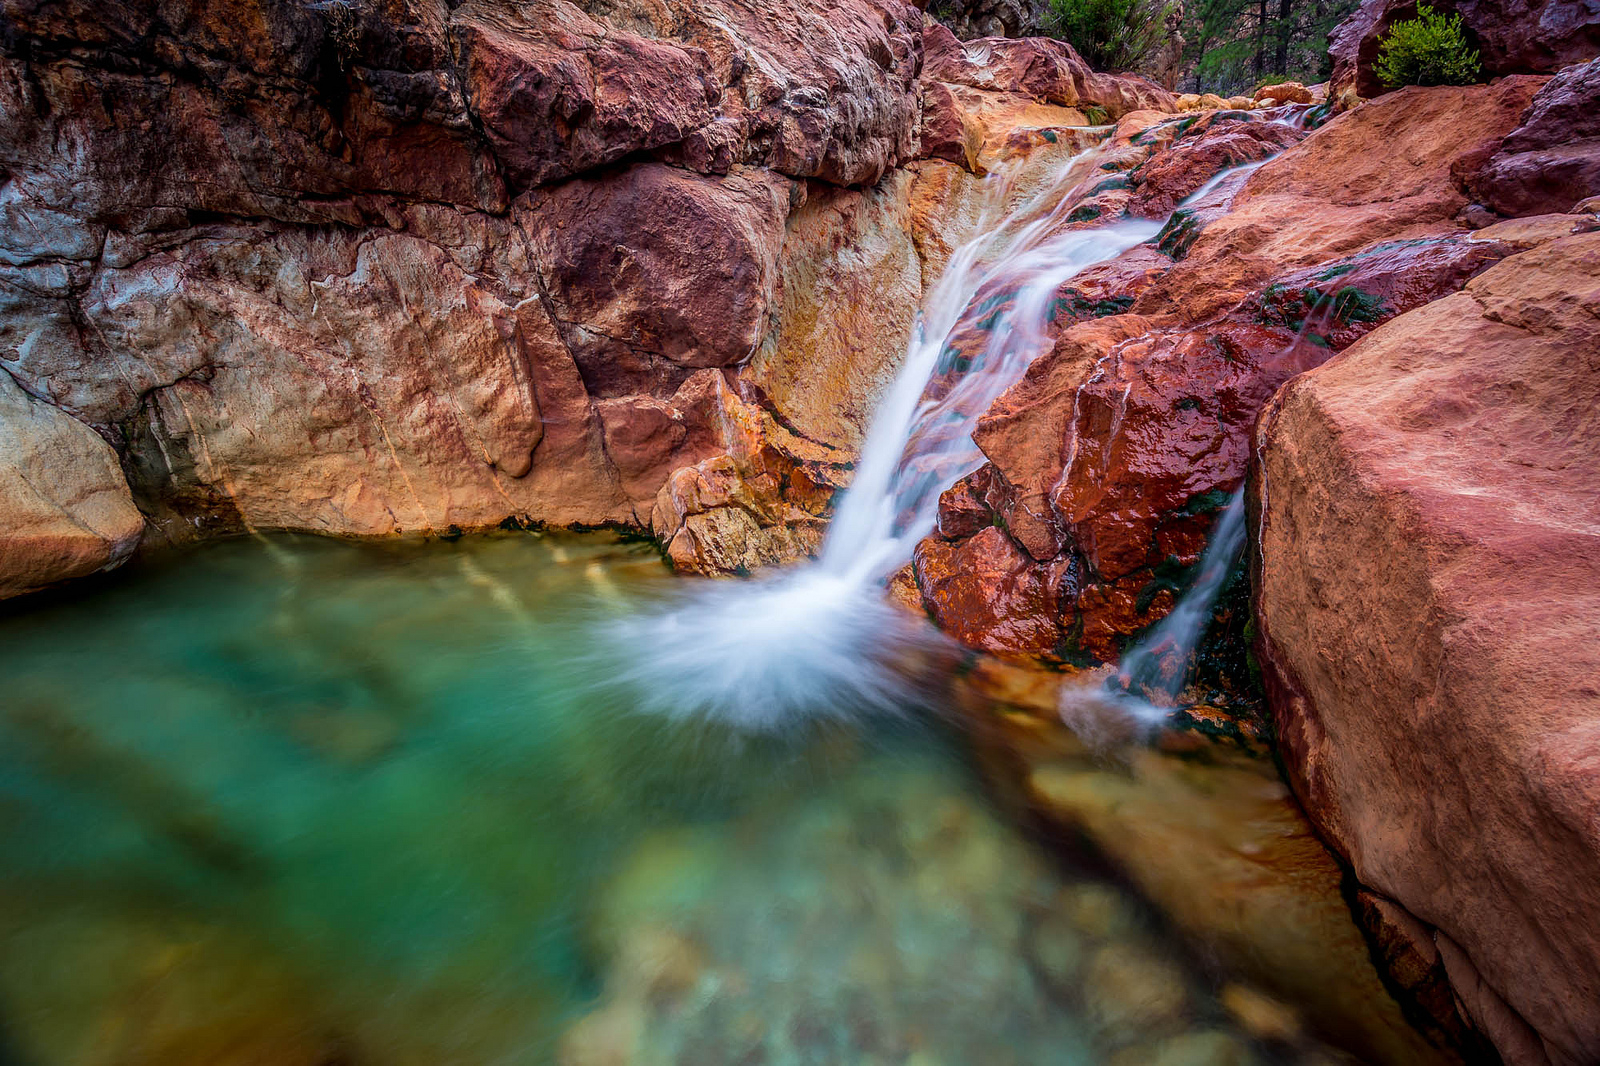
<point x="1391" y="169"/>
<point x="989" y="594"/>
<point x="657" y="264"/>
<point x="420" y="265"/>
<point x="125" y="113"/>
<point x="1511" y="36"/>
<point x="1552" y="160"/>
<point x="1111" y="456"/>
<point x="1045" y="69"/>
<point x="1429" y="623"/>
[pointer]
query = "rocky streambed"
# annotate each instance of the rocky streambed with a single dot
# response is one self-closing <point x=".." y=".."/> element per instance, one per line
<point x="426" y="269"/>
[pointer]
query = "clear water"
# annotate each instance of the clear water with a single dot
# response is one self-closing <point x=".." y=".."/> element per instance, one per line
<point x="296" y="800"/>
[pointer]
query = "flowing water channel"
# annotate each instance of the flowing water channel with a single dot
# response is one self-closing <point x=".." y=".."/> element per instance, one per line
<point x="526" y="798"/>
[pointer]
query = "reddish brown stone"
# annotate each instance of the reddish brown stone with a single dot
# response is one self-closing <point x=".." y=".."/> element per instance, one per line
<point x="1045" y="69"/>
<point x="1198" y="155"/>
<point x="1338" y="302"/>
<point x="1428" y="619"/>
<point x="989" y="594"/>
<point x="558" y="93"/>
<point x="1511" y="36"/>
<point x="654" y="263"/>
<point x="1163" y="421"/>
<point x="1552" y="160"/>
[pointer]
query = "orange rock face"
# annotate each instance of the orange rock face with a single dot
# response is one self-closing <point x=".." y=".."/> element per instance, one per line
<point x="369" y="269"/>
<point x="1430" y="555"/>
<point x="1111" y="456"/>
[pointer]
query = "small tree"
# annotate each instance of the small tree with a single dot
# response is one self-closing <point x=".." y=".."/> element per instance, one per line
<point x="1113" y="35"/>
<point x="1430" y="49"/>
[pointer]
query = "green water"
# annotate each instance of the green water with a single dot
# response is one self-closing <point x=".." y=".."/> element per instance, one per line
<point x="296" y="800"/>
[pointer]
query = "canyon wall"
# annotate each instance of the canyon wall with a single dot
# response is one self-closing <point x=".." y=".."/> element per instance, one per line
<point x="370" y="269"/>
<point x="432" y="267"/>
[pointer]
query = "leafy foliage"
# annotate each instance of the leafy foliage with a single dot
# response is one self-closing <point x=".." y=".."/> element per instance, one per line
<point x="1430" y="49"/>
<point x="1112" y="35"/>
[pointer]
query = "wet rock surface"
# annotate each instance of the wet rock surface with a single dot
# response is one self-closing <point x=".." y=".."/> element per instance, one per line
<point x="1551" y="161"/>
<point x="1111" y="457"/>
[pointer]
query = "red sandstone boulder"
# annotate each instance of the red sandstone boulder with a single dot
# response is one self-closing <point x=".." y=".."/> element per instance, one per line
<point x="1430" y="555"/>
<point x="1285" y="92"/>
<point x="1116" y="450"/>
<point x="989" y="594"/>
<point x="1552" y="160"/>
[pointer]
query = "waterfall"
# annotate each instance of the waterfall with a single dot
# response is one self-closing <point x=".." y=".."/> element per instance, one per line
<point x="820" y="639"/>
<point x="1158" y="662"/>
<point x="921" y="443"/>
<point x="1139" y="695"/>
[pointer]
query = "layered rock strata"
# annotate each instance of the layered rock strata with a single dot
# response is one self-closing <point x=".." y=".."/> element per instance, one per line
<point x="436" y="266"/>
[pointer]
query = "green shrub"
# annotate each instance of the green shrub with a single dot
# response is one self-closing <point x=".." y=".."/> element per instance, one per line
<point x="1430" y="49"/>
<point x="1111" y="35"/>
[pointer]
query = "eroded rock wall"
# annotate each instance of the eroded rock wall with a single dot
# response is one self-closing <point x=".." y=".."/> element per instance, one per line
<point x="369" y="270"/>
<point x="372" y="269"/>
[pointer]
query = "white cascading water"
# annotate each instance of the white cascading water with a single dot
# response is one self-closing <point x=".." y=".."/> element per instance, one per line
<point x="820" y="639"/>
<point x="1139" y="696"/>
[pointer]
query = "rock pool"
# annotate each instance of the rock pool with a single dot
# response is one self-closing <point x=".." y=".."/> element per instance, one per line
<point x="291" y="800"/>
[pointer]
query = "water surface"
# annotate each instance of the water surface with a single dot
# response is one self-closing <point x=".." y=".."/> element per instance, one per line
<point x="295" y="800"/>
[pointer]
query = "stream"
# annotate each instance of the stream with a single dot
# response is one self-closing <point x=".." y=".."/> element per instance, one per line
<point x="528" y="798"/>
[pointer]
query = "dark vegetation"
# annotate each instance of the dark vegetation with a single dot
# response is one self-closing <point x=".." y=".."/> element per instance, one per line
<point x="1228" y="47"/>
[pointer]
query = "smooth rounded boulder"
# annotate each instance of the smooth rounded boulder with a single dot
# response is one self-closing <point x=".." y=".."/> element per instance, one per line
<point x="1429" y="623"/>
